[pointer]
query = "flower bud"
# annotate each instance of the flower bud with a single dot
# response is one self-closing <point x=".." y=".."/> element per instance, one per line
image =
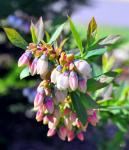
<point x="42" y="65"/>
<point x="51" y="132"/>
<point x="80" y="136"/>
<point x="83" y="68"/>
<point x="45" y="120"/>
<point x="39" y="115"/>
<point x="33" y="67"/>
<point x="53" y="124"/>
<point x="70" y="135"/>
<point x="39" y="97"/>
<point x="24" y="59"/>
<point x="55" y="74"/>
<point x="49" y="104"/>
<point x="93" y="118"/>
<point x="73" y="80"/>
<point x="60" y="95"/>
<point x="82" y="85"/>
<point x="63" y="81"/>
<point x="62" y="133"/>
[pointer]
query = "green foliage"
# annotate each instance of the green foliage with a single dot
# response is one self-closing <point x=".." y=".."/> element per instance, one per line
<point x="91" y="33"/>
<point x="25" y="73"/>
<point x="56" y="34"/>
<point x="79" y="108"/>
<point x="15" y="38"/>
<point x="33" y="33"/>
<point x="76" y="35"/>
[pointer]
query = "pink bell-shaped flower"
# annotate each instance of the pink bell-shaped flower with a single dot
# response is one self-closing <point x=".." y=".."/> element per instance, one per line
<point x="39" y="115"/>
<point x="55" y="74"/>
<point x="42" y="65"/>
<point x="70" y="135"/>
<point x="51" y="132"/>
<point x="24" y="59"/>
<point x="80" y="136"/>
<point x="63" y="81"/>
<point x="33" y="67"/>
<point x="83" y="68"/>
<point x="60" y="95"/>
<point x="39" y="97"/>
<point x="62" y="133"/>
<point x="49" y="104"/>
<point x="82" y="84"/>
<point x="73" y="81"/>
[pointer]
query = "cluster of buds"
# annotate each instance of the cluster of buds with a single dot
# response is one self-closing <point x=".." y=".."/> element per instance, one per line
<point x="61" y="74"/>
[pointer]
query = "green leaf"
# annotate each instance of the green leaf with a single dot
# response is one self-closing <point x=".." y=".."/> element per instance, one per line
<point x="15" y="38"/>
<point x="76" y="35"/>
<point x="91" y="32"/>
<point x="111" y="39"/>
<point x="96" y="70"/>
<point x="25" y="73"/>
<point x="47" y="36"/>
<point x="33" y="33"/>
<point x="87" y="101"/>
<point x="94" y="85"/>
<point x="79" y="108"/>
<point x="96" y="52"/>
<point x="56" y="33"/>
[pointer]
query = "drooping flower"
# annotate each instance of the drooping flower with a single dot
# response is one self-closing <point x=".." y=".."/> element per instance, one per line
<point x="39" y="114"/>
<point x="70" y="135"/>
<point x="55" y="74"/>
<point x="73" y="81"/>
<point x="24" y="59"/>
<point x="51" y="132"/>
<point x="62" y="133"/>
<point x="42" y="65"/>
<point x="82" y="84"/>
<point x="80" y="136"/>
<point x="49" y="104"/>
<point x="63" y="81"/>
<point x="33" y="67"/>
<point x="93" y="119"/>
<point x="60" y="95"/>
<point x="83" y="68"/>
<point x="39" y="97"/>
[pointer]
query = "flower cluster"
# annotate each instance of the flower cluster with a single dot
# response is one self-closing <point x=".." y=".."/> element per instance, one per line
<point x="61" y="75"/>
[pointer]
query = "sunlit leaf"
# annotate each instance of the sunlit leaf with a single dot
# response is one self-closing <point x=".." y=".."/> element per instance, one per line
<point x="33" y="33"/>
<point x="56" y="33"/>
<point x="47" y="36"/>
<point x="91" y="32"/>
<point x="111" y="39"/>
<point x="15" y="38"/>
<point x="96" y="52"/>
<point x="76" y="35"/>
<point x="93" y="85"/>
<point x="25" y="73"/>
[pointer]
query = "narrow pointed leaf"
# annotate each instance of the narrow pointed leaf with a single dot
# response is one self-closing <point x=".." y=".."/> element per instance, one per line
<point x="56" y="33"/>
<point x="111" y="39"/>
<point x="94" y="85"/>
<point x="96" y="52"/>
<point x="15" y="38"/>
<point x="76" y="35"/>
<point x="33" y="33"/>
<point x="91" y="32"/>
